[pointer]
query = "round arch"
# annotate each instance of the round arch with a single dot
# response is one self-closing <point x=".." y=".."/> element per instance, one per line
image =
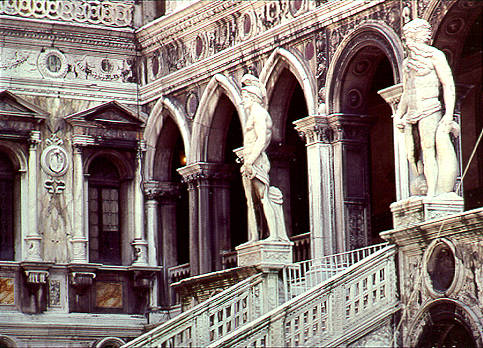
<point x="218" y="85"/>
<point x="155" y="125"/>
<point x="439" y="309"/>
<point x="282" y="58"/>
<point x="126" y="170"/>
<point x="17" y="156"/>
<point x="8" y="341"/>
<point x="371" y="33"/>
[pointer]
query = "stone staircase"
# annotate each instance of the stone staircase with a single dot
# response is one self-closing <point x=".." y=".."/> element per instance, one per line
<point x="329" y="302"/>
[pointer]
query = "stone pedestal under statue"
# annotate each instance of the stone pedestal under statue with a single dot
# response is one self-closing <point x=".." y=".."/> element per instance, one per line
<point x="266" y="254"/>
<point x="417" y="209"/>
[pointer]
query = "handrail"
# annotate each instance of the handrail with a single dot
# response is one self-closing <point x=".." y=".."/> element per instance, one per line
<point x="209" y="320"/>
<point x="301" y="276"/>
<point x="362" y="291"/>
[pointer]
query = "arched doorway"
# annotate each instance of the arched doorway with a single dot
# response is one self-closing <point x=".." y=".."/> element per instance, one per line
<point x="172" y="232"/>
<point x="460" y="36"/>
<point x="445" y="325"/>
<point x="368" y="72"/>
<point x="287" y="151"/>
<point x="367" y="61"/>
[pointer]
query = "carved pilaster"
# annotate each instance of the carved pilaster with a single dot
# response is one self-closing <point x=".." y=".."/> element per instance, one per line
<point x="79" y="239"/>
<point x="33" y="240"/>
<point x="140" y="246"/>
<point x="351" y="177"/>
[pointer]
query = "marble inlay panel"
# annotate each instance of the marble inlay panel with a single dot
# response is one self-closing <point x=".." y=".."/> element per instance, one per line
<point x="54" y="293"/>
<point x="108" y="294"/>
<point x="7" y="291"/>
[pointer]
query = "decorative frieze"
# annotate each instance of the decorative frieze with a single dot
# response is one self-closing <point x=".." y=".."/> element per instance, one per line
<point x="113" y="14"/>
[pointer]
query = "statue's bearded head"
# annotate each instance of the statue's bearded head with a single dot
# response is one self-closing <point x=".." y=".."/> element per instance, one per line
<point x="252" y="89"/>
<point x="417" y="31"/>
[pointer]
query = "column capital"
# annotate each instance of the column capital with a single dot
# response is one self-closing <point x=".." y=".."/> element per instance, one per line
<point x="350" y="127"/>
<point x="204" y="170"/>
<point x="314" y="128"/>
<point x="161" y="189"/>
<point x="392" y="95"/>
<point x="34" y="138"/>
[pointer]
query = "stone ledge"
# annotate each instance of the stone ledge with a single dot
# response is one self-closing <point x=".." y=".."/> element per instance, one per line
<point x="417" y="209"/>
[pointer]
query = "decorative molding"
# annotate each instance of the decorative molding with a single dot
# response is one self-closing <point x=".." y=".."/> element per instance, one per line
<point x="314" y="128"/>
<point x="113" y="14"/>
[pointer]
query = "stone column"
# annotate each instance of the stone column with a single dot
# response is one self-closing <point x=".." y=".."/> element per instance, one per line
<point x="151" y="191"/>
<point x="351" y="178"/>
<point x="318" y="136"/>
<point x="33" y="240"/>
<point x="79" y="240"/>
<point x="189" y="174"/>
<point x="209" y="218"/>
<point x="139" y="243"/>
<point x="392" y="95"/>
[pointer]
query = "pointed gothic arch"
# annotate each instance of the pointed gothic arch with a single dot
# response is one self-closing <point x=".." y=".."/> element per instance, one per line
<point x="203" y="119"/>
<point x="282" y="58"/>
<point x="154" y="127"/>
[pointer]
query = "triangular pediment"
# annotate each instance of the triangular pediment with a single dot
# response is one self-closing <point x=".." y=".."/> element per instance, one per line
<point x="12" y="105"/>
<point x="110" y="114"/>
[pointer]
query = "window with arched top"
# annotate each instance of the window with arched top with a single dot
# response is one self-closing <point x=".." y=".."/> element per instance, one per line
<point x="104" y="212"/>
<point x="6" y="208"/>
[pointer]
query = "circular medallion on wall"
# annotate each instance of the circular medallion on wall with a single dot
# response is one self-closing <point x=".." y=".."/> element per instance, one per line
<point x="455" y="25"/>
<point x="309" y="50"/>
<point x="296" y="6"/>
<point x="52" y="63"/>
<point x="354" y="97"/>
<point x="191" y="104"/>
<point x="246" y="24"/>
<point x="54" y="160"/>
<point x="441" y="267"/>
<point x="106" y="66"/>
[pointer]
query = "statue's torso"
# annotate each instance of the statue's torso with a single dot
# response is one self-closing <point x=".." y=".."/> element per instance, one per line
<point x="422" y="88"/>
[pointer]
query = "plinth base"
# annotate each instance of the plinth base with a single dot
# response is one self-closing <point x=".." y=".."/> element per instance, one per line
<point x="266" y="254"/>
<point x="417" y="209"/>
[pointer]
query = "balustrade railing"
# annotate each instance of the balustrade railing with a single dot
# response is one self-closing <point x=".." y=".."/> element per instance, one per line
<point x="301" y="247"/>
<point x="338" y="308"/>
<point x="177" y="273"/>
<point x="210" y="320"/>
<point x="301" y="276"/>
<point x="110" y="13"/>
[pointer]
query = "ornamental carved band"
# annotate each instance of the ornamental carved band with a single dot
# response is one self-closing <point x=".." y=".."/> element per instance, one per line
<point x="116" y="14"/>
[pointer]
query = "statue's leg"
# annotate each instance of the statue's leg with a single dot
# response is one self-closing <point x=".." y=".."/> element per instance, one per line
<point x="252" y="220"/>
<point x="447" y="161"/>
<point x="262" y="192"/>
<point x="409" y="142"/>
<point x="427" y="131"/>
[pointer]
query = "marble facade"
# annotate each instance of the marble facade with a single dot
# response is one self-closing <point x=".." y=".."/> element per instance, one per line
<point x="155" y="89"/>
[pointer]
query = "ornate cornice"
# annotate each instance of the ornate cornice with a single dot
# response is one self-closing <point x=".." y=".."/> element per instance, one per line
<point x="37" y="33"/>
<point x="194" y="53"/>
